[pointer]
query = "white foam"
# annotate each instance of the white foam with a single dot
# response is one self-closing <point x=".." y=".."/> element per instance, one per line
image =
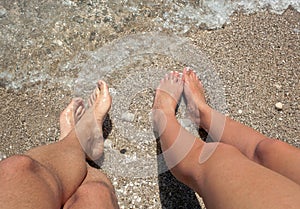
<point x="211" y="14"/>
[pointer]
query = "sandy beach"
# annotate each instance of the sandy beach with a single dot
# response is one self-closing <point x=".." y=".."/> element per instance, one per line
<point x="256" y="57"/>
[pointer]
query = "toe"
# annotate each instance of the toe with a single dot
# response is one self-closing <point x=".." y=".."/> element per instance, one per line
<point x="67" y="109"/>
<point x="103" y="88"/>
<point x="79" y="112"/>
<point x="90" y="102"/>
<point x="167" y="77"/>
<point x="93" y="97"/>
<point x="186" y="73"/>
<point x="194" y="76"/>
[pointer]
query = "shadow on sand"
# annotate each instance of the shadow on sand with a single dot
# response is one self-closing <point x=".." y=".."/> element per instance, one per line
<point x="174" y="194"/>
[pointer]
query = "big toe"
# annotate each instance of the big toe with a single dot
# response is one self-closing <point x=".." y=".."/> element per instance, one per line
<point x="103" y="88"/>
<point x="100" y="94"/>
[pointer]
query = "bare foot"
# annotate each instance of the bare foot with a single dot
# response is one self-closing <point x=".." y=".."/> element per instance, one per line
<point x="89" y="128"/>
<point x="167" y="96"/>
<point x="168" y="93"/>
<point x="70" y="116"/>
<point x="193" y="95"/>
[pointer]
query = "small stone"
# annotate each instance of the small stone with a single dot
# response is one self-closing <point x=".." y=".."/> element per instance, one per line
<point x="108" y="143"/>
<point x="185" y="122"/>
<point x="279" y="106"/>
<point x="2" y="11"/>
<point x="112" y="91"/>
<point x="68" y="3"/>
<point x="296" y="30"/>
<point x="127" y="116"/>
<point x="123" y="151"/>
<point x="2" y="156"/>
<point x="240" y="111"/>
<point x="278" y="86"/>
<point x="58" y="42"/>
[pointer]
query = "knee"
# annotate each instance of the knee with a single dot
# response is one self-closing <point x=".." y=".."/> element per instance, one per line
<point x="17" y="165"/>
<point x="205" y="158"/>
<point x="222" y="157"/>
<point x="265" y="147"/>
<point x="95" y="188"/>
<point x="101" y="192"/>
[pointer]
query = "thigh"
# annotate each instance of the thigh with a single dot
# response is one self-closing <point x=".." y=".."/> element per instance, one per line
<point x="228" y="179"/>
<point x="25" y="183"/>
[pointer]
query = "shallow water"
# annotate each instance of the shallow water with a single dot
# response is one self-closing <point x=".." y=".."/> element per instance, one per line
<point x="180" y="16"/>
<point x="23" y="22"/>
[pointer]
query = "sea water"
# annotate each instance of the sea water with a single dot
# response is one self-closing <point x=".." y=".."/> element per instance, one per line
<point x="180" y="16"/>
<point x="176" y="16"/>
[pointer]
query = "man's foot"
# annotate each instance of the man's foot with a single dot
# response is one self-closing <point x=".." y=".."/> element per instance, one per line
<point x="167" y="96"/>
<point x="193" y="95"/>
<point x="70" y="116"/>
<point x="89" y="128"/>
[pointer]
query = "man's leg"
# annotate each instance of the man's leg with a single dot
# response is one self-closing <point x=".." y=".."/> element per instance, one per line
<point x="273" y="154"/>
<point x="227" y="179"/>
<point x="96" y="190"/>
<point x="45" y="177"/>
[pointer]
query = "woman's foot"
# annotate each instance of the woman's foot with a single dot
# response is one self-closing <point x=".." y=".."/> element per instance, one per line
<point x="70" y="116"/>
<point x="166" y="99"/>
<point x="89" y="128"/>
<point x="168" y="93"/>
<point x="194" y="95"/>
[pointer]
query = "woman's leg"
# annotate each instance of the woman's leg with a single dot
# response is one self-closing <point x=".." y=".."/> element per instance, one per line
<point x="273" y="154"/>
<point x="46" y="176"/>
<point x="226" y="179"/>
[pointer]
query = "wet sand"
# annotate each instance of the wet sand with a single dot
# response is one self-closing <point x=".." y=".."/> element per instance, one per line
<point x="257" y="58"/>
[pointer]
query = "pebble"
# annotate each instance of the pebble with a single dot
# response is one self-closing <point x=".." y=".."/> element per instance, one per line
<point x="2" y="156"/>
<point x="112" y="91"/>
<point x="108" y="143"/>
<point x="185" y="122"/>
<point x="296" y="30"/>
<point x="123" y="151"/>
<point x="278" y="86"/>
<point x="2" y="11"/>
<point x="127" y="116"/>
<point x="58" y="42"/>
<point x="279" y="106"/>
<point x="240" y="111"/>
<point x="68" y="3"/>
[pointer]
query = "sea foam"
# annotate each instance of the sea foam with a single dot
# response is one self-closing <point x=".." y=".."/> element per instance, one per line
<point x="209" y="14"/>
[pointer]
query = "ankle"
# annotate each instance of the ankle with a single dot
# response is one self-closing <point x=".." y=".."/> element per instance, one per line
<point x="205" y="116"/>
<point x="160" y="118"/>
